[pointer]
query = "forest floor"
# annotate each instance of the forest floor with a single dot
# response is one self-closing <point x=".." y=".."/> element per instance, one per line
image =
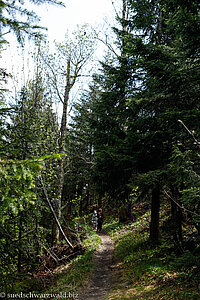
<point x="103" y="275"/>
<point x="122" y="264"/>
<point x="145" y="270"/>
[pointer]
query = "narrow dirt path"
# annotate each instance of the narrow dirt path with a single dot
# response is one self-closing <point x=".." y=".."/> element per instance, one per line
<point x="101" y="281"/>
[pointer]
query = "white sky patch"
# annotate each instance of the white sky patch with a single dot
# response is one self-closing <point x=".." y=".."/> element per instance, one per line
<point x="58" y="20"/>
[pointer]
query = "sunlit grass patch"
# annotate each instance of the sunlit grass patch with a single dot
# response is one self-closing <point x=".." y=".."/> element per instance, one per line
<point x="153" y="292"/>
<point x="150" y="270"/>
<point x="112" y="227"/>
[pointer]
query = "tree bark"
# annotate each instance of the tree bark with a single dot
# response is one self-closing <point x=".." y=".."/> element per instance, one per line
<point x="155" y="214"/>
<point x="19" y="259"/>
<point x="160" y="26"/>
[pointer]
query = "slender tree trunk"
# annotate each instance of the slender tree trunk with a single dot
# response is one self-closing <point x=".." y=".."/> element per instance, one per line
<point x="62" y="142"/>
<point x="24" y="151"/>
<point x="160" y="26"/>
<point x="155" y="211"/>
<point x="100" y="201"/>
<point x="124" y="25"/>
<point x="19" y="260"/>
<point x="124" y="10"/>
<point x="59" y="198"/>
<point x="36" y="238"/>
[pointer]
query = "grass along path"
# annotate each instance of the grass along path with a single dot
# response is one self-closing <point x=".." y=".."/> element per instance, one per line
<point x="149" y="271"/>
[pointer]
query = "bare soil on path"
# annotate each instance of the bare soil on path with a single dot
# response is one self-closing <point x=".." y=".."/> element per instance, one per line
<point x="103" y="274"/>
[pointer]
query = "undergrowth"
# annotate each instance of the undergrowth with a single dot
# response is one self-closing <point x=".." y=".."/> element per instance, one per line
<point x="70" y="278"/>
<point x="151" y="270"/>
<point x="66" y="279"/>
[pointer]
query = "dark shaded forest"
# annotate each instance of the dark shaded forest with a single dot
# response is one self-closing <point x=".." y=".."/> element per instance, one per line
<point x="131" y="139"/>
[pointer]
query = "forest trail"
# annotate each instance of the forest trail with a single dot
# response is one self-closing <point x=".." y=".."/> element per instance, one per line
<point x="101" y="281"/>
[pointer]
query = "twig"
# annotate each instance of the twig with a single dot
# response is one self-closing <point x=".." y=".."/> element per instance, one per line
<point x="48" y="270"/>
<point x="53" y="255"/>
<point x="66" y="257"/>
<point x="197" y="142"/>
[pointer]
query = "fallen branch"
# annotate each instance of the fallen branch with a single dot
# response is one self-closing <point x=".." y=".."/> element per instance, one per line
<point x="54" y="215"/>
<point x="180" y="206"/>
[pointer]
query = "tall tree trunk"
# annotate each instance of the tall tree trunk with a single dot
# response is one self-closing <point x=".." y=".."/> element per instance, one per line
<point x="160" y="26"/>
<point x="155" y="212"/>
<point x="100" y="202"/>
<point x="76" y="55"/>
<point x="62" y="149"/>
<point x="124" y="25"/>
<point x="36" y="238"/>
<point x="19" y="259"/>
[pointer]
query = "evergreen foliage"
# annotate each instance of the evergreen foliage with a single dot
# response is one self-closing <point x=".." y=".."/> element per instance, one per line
<point x="138" y="97"/>
<point x="124" y="142"/>
<point x="15" y="17"/>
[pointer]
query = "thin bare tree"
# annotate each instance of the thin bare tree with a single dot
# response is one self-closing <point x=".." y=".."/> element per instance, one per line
<point x="64" y="69"/>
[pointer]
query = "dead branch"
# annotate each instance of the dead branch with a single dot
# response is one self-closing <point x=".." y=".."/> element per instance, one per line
<point x="180" y="206"/>
<point x="197" y="142"/>
<point x="54" y="215"/>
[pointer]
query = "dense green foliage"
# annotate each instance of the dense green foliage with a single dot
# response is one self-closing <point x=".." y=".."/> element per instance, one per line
<point x="133" y="135"/>
<point x="134" y="105"/>
<point x="28" y="148"/>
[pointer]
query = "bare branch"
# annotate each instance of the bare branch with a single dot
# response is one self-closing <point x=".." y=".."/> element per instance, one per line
<point x="185" y="209"/>
<point x="197" y="142"/>
<point x="108" y="45"/>
<point x="54" y="214"/>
